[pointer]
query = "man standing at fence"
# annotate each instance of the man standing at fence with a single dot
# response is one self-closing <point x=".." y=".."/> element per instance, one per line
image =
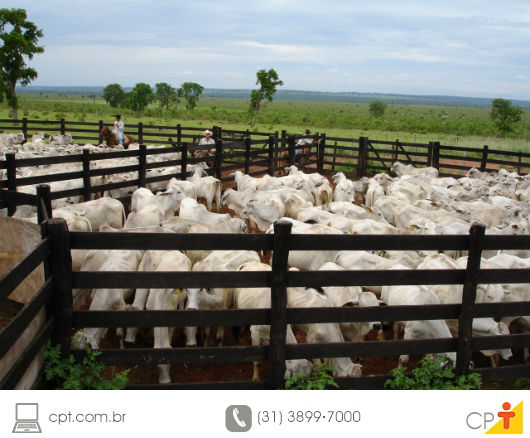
<point x="118" y="128"/>
<point x="207" y="140"/>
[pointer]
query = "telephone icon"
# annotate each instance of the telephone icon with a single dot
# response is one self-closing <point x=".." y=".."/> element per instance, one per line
<point x="238" y="418"/>
<point x="240" y="423"/>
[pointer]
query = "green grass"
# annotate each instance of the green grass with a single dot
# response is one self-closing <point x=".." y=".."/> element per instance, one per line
<point x="455" y="126"/>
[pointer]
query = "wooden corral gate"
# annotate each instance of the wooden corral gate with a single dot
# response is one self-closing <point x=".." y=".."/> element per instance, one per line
<point x="56" y="296"/>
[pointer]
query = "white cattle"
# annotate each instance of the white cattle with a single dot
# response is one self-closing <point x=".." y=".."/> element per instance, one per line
<point x="207" y="187"/>
<point x="215" y="298"/>
<point x="108" y="299"/>
<point x="298" y="297"/>
<point x="344" y="189"/>
<point x="149" y="216"/>
<point x="102" y="211"/>
<point x="308" y="260"/>
<point x="401" y="169"/>
<point x="247" y="182"/>
<point x="260" y="298"/>
<point x="167" y="299"/>
<point x="229" y="225"/>
<point x="424" y="329"/>
<point x="168" y="202"/>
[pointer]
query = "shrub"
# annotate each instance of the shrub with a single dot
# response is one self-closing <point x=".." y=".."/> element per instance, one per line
<point x="433" y="372"/>
<point x="321" y="377"/>
<point x="65" y="373"/>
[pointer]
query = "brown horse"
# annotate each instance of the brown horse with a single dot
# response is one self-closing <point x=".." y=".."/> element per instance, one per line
<point x="111" y="138"/>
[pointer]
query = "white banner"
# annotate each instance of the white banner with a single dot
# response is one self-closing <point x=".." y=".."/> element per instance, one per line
<point x="245" y="414"/>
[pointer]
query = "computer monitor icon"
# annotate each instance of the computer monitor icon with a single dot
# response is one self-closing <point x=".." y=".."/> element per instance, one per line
<point x="27" y="418"/>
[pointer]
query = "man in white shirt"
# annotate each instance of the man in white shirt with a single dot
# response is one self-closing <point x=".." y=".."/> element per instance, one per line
<point x="118" y="128"/>
<point x="206" y="140"/>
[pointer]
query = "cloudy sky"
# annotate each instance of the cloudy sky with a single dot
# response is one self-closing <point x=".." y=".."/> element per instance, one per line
<point x="478" y="48"/>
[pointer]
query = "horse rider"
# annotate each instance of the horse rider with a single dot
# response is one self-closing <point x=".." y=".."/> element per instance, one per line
<point x="118" y="128"/>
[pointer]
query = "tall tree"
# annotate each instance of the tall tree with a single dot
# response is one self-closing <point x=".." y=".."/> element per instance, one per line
<point x="139" y="97"/>
<point x="504" y="115"/>
<point x="19" y="41"/>
<point x="113" y="95"/>
<point x="377" y="108"/>
<point x="166" y="95"/>
<point x="268" y="81"/>
<point x="191" y="92"/>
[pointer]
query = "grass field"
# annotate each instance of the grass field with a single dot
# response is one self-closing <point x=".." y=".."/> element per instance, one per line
<point x="457" y="126"/>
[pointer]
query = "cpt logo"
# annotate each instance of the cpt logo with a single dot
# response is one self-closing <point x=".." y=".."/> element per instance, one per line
<point x="510" y="420"/>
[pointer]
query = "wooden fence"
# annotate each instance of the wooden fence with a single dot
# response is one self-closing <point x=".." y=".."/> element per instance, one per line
<point x="60" y="280"/>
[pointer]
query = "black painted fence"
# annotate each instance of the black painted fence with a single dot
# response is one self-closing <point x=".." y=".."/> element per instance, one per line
<point x="58" y="242"/>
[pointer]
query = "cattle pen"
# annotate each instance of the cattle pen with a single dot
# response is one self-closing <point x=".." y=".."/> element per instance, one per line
<point x="255" y="154"/>
<point x="56" y="296"/>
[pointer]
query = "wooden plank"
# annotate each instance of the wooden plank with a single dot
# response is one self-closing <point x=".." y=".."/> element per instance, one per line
<point x="200" y="386"/>
<point x="503" y="373"/>
<point x="496" y="342"/>
<point x="14" y="329"/>
<point x="370" y="348"/>
<point x="160" y="280"/>
<point x="170" y="241"/>
<point x="156" y="356"/>
<point x="469" y="294"/>
<point x="170" y="318"/>
<point x="31" y="180"/>
<point x="60" y="265"/>
<point x="11" y="279"/>
<point x="278" y="329"/>
<point x="19" y="367"/>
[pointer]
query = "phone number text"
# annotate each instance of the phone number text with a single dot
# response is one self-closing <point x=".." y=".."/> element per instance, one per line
<point x="278" y="417"/>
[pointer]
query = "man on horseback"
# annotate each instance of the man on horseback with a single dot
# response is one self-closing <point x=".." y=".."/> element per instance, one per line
<point x="118" y="128"/>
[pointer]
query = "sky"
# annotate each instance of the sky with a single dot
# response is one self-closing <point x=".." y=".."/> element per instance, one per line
<point x="476" y="48"/>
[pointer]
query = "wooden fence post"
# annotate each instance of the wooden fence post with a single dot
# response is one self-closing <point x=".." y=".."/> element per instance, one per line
<point x="140" y="133"/>
<point x="86" y="175"/>
<point x="218" y="158"/>
<point x="429" y="153"/>
<point x="436" y="155"/>
<point x="11" y="172"/>
<point x="362" y="160"/>
<point x="100" y="138"/>
<point x="278" y="329"/>
<point x="44" y="195"/>
<point x="184" y="161"/>
<point x="469" y="294"/>
<point x="334" y="156"/>
<point x="395" y="154"/>
<point x="60" y="267"/>
<point x="320" y="153"/>
<point x="142" y="162"/>
<point x="271" y="155"/>
<point x="247" y="154"/>
<point x="291" y="142"/>
<point x="484" y="162"/>
<point x="179" y="135"/>
<point x="25" y="128"/>
<point x="63" y="127"/>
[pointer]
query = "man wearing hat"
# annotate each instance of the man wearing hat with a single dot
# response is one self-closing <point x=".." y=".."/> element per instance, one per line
<point x="206" y="140"/>
<point x="118" y="128"/>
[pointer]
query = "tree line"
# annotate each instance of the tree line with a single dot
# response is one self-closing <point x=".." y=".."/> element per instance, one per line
<point x="19" y="42"/>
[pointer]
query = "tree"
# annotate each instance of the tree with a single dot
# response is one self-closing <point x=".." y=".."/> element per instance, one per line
<point x="504" y="115"/>
<point x="166" y="95"/>
<point x="377" y="108"/>
<point x="139" y="97"/>
<point x="268" y="81"/>
<point x="113" y="95"/>
<point x="19" y="41"/>
<point x="190" y="91"/>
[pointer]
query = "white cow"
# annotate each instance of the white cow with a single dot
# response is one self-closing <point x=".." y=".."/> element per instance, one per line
<point x="260" y="298"/>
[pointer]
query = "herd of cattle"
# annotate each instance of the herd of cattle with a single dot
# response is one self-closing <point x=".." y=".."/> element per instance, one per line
<point x="414" y="201"/>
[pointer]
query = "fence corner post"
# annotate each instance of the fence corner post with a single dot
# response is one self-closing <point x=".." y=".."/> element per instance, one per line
<point x="278" y="328"/>
<point x="44" y="210"/>
<point x="247" y="154"/>
<point x="184" y="161"/>
<point x="142" y="165"/>
<point x="484" y="161"/>
<point x="218" y="158"/>
<point x="271" y="155"/>
<point x="465" y="319"/>
<point x="320" y="153"/>
<point x="362" y="160"/>
<point x="60" y="267"/>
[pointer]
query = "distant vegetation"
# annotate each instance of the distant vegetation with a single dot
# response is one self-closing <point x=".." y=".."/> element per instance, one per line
<point x="454" y="125"/>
